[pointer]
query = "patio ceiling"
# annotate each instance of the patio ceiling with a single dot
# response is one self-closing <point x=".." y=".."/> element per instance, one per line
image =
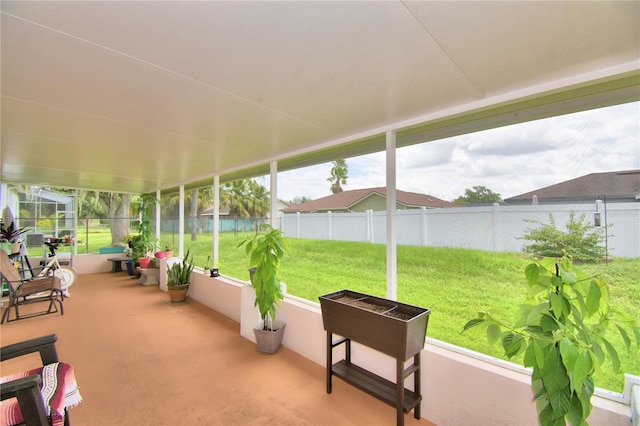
<point x="140" y="96"/>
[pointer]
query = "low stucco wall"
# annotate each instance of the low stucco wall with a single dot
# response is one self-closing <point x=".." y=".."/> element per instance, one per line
<point x="93" y="263"/>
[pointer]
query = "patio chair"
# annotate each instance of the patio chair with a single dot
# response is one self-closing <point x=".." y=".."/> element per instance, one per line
<point x="43" y="395"/>
<point x="23" y="291"/>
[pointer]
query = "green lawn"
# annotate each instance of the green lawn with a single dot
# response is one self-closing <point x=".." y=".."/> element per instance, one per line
<point x="453" y="283"/>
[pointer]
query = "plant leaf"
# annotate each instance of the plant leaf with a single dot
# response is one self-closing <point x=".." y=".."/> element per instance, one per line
<point x="472" y="323"/>
<point x="625" y="336"/>
<point x="493" y="333"/>
<point x="574" y="414"/>
<point x="557" y="304"/>
<point x="512" y="344"/>
<point x="569" y="353"/>
<point x="613" y="354"/>
<point x="593" y="298"/>
<point x="581" y="370"/>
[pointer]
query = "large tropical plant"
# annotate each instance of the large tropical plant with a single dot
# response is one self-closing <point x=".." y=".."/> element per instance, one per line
<point x="562" y="331"/>
<point x="266" y="250"/>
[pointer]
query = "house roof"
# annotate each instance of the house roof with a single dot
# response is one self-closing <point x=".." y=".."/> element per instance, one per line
<point x="139" y="96"/>
<point x="347" y="199"/>
<point x="620" y="184"/>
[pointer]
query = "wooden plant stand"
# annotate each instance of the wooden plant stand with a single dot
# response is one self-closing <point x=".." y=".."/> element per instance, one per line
<point x="391" y="327"/>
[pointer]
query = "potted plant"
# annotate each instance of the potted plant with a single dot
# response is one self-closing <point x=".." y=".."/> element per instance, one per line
<point x="266" y="250"/>
<point x="140" y="250"/>
<point x="10" y="235"/>
<point x="562" y="333"/>
<point x="207" y="267"/>
<point x="178" y="278"/>
<point x="168" y="250"/>
<point x="143" y="246"/>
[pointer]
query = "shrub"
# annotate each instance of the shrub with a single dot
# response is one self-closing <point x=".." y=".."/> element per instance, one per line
<point x="582" y="240"/>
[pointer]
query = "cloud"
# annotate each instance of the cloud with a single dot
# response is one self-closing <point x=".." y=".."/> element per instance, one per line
<point x="510" y="160"/>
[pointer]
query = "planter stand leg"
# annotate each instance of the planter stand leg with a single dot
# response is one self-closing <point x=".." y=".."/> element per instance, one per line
<point x="329" y="360"/>
<point x="399" y="392"/>
<point x="330" y="345"/>
<point x="417" y="385"/>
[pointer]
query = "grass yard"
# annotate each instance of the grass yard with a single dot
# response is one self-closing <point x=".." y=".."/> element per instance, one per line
<point x="454" y="283"/>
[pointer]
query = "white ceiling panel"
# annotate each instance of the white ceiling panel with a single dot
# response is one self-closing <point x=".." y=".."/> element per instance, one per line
<point x="217" y="87"/>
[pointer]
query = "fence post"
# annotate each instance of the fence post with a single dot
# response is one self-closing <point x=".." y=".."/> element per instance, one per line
<point x="423" y="223"/>
<point x="297" y="224"/>
<point x="369" y="225"/>
<point x="329" y="224"/>
<point x="497" y="228"/>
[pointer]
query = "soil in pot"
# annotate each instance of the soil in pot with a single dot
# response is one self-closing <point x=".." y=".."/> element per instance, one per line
<point x="384" y="310"/>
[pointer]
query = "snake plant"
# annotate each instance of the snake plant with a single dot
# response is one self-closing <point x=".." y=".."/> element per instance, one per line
<point x="180" y="272"/>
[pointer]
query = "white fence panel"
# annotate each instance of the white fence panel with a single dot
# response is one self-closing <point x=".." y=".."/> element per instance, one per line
<point x="494" y="228"/>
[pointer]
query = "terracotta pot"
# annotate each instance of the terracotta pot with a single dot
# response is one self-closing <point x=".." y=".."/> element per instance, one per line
<point x="168" y="254"/>
<point x="144" y="262"/>
<point x="178" y="293"/>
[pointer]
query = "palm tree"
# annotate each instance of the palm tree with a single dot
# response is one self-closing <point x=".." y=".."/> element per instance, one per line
<point x="338" y="176"/>
<point x="195" y="201"/>
<point x="245" y="198"/>
<point x="259" y="198"/>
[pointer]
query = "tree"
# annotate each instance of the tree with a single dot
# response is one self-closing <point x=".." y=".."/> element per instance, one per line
<point x="118" y="206"/>
<point x="195" y="202"/>
<point x="479" y="194"/>
<point x="245" y="198"/>
<point x="338" y="177"/>
<point x="300" y="199"/>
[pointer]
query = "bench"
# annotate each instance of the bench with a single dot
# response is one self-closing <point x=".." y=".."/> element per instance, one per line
<point x="117" y="263"/>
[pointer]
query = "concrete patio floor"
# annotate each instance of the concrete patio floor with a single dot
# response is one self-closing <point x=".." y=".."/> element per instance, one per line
<point x="141" y="360"/>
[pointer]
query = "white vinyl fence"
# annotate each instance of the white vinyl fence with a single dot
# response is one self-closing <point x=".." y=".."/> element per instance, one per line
<point x="493" y="228"/>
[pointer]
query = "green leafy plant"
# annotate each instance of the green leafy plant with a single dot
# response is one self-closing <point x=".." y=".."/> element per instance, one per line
<point x="562" y="332"/>
<point x="581" y="239"/>
<point x="180" y="272"/>
<point x="266" y="250"/>
<point x="143" y="244"/>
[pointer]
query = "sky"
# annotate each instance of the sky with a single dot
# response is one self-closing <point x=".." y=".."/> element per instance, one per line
<point x="509" y="160"/>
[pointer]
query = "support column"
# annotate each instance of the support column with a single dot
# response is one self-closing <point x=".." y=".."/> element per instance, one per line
<point x="273" y="191"/>
<point x="158" y="218"/>
<point x="181" y="223"/>
<point x="392" y="275"/>
<point x="216" y="221"/>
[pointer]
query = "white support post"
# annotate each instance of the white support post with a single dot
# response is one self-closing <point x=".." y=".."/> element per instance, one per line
<point x="216" y="221"/>
<point x="392" y="275"/>
<point x="158" y="218"/>
<point x="297" y="224"/>
<point x="273" y="191"/>
<point x="329" y="224"/>
<point x="181" y="223"/>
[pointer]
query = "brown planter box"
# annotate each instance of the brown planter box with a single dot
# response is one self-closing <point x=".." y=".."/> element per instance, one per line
<point x="391" y="327"/>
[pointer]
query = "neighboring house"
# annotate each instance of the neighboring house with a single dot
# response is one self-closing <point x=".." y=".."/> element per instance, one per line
<point x="224" y="210"/>
<point x="616" y="187"/>
<point x="360" y="200"/>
